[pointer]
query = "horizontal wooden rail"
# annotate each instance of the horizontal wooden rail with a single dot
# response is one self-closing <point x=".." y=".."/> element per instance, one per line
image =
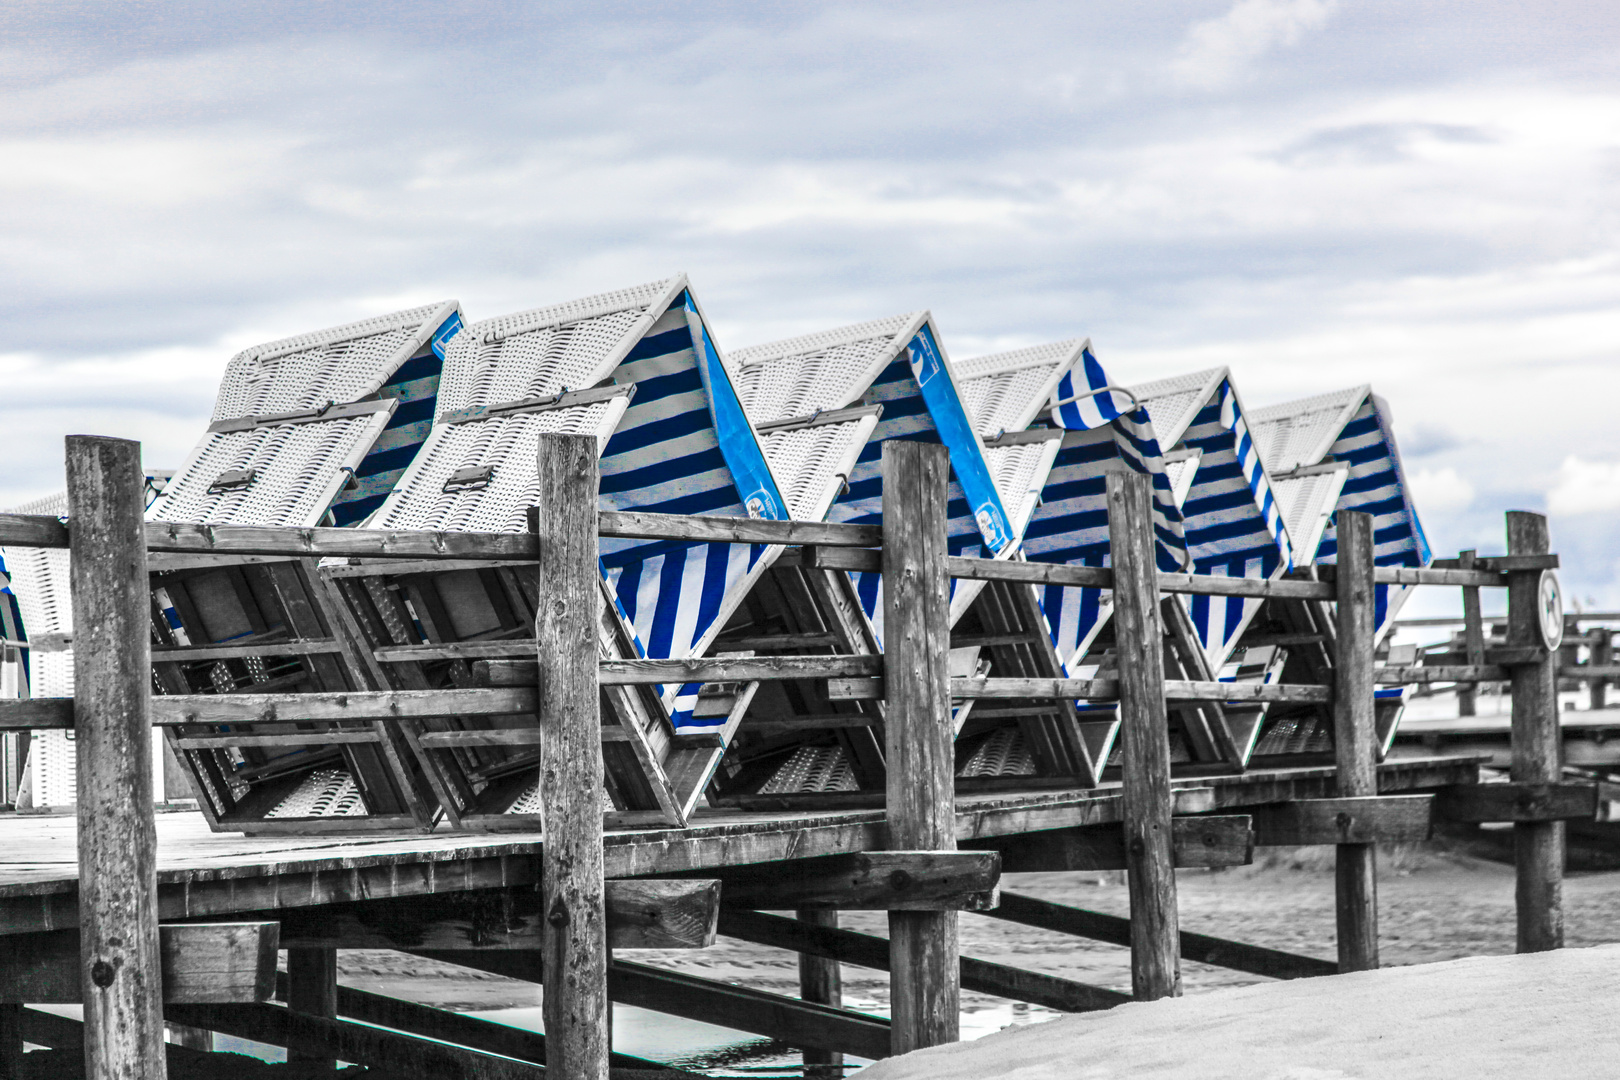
<point x="631" y="525"/>
<point x="869" y="689"/>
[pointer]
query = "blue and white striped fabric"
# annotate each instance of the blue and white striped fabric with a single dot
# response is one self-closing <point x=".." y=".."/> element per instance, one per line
<point x="1071" y="524"/>
<point x="1234" y="526"/>
<point x="415" y="385"/>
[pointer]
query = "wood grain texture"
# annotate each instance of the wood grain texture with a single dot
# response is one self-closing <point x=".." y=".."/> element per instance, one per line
<point x="635" y="525"/>
<point x="201" y="962"/>
<point x="1145" y="735"/>
<point x="1567" y="800"/>
<point x="1217" y="840"/>
<point x="312" y="990"/>
<point x="919" y="750"/>
<point x="1473" y="636"/>
<point x="1357" y="821"/>
<point x="575" y="1004"/>
<point x="112" y="672"/>
<point x="871" y="881"/>
<point x="1355" y="738"/>
<point x="821" y="981"/>
<point x="1538" y="846"/>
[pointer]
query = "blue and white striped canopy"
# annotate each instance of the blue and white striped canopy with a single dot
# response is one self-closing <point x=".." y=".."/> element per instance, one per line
<point x="899" y="364"/>
<point x="1234" y="526"/>
<point x="676" y="441"/>
<point x="1352" y="427"/>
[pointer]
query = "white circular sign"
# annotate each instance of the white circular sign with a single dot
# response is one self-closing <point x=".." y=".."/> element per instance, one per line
<point x="1550" y="610"/>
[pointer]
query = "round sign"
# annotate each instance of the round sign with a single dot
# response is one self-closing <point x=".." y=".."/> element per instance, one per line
<point x="1550" y="610"/>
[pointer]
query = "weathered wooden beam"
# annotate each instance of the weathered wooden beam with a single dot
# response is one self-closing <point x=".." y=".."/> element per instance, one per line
<point x="821" y="980"/>
<point x="1412" y="674"/>
<point x="864" y="950"/>
<point x="28" y="714"/>
<point x="200" y="962"/>
<point x="925" y="990"/>
<point x="1513" y="801"/>
<point x="1363" y="819"/>
<point x="642" y="913"/>
<point x="1145" y="737"/>
<point x="1538" y="846"/>
<point x="635" y="525"/>
<point x="112" y="677"/>
<point x="318" y="1038"/>
<point x="1255" y="959"/>
<point x="870" y="881"/>
<point x="575" y="1004"/>
<point x="1217" y="840"/>
<point x="867" y="689"/>
<point x="1355" y="746"/>
<point x="312" y="990"/>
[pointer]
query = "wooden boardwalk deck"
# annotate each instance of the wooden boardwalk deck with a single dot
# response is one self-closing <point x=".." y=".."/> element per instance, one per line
<point x="205" y="874"/>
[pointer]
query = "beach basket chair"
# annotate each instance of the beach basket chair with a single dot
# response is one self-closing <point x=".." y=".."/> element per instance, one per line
<point x="797" y="738"/>
<point x="639" y="370"/>
<point x="311" y="430"/>
<point x="1327" y="453"/>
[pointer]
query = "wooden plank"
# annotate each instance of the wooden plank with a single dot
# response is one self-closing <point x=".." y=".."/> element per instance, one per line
<point x="32" y="530"/>
<point x="1473" y="635"/>
<point x="821" y="980"/>
<point x="1255" y="959"/>
<point x="319" y="1038"/>
<point x="290" y="738"/>
<point x="112" y="673"/>
<point x="1517" y="801"/>
<point x="1355" y="820"/>
<point x="575" y="1004"/>
<point x="1600" y="668"/>
<point x="1145" y="735"/>
<point x="1414" y="674"/>
<point x="42" y="713"/>
<point x="312" y="991"/>
<point x="864" y="950"/>
<point x="400" y="567"/>
<point x="12" y="1039"/>
<point x="1355" y="741"/>
<point x="185" y="539"/>
<point x="1538" y="846"/>
<point x="870" y="881"/>
<point x="359" y="705"/>
<point x="989" y="689"/>
<point x="635" y="525"/>
<point x="189" y="653"/>
<point x="925" y="991"/>
<point x="1216" y="840"/>
<point x="200" y="962"/>
<point x="735" y="669"/>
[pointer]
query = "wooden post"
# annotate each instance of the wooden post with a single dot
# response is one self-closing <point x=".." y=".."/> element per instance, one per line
<point x="1602" y="655"/>
<point x="112" y="673"/>
<point x="575" y="1005"/>
<point x="1473" y="639"/>
<point x="1145" y="737"/>
<point x="1538" y="846"/>
<point x="312" y="988"/>
<point x="1355" y="741"/>
<point x="11" y="1042"/>
<point x="925" y="974"/>
<point x="821" y="981"/>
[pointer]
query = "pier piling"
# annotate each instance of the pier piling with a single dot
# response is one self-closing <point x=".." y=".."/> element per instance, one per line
<point x="1354" y="738"/>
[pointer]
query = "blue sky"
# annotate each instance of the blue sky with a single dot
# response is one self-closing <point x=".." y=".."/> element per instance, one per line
<point x="1316" y="194"/>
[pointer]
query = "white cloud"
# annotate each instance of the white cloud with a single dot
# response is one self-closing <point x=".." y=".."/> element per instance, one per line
<point x="1440" y="491"/>
<point x="1585" y="487"/>
<point x="1219" y="50"/>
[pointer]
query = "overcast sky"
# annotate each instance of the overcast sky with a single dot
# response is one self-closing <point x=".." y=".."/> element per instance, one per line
<point x="1317" y="194"/>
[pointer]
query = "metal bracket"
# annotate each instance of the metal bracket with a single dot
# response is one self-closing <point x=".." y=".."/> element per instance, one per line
<point x="329" y="411"/>
<point x="541" y="403"/>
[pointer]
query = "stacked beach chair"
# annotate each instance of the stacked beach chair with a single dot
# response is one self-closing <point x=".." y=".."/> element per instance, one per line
<point x="1327" y="453"/>
<point x="803" y="738"/>
<point x="311" y="430"/>
<point x="639" y="370"/>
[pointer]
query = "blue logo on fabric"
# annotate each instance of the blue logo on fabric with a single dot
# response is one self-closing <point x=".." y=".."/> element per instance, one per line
<point x="956" y="432"/>
<point x="442" y="336"/>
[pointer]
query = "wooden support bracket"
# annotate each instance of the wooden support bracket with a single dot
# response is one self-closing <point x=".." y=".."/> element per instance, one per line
<point x="1371" y="819"/>
<point x="871" y="881"/>
<point x="1518" y="801"/>
<point x="201" y="962"/>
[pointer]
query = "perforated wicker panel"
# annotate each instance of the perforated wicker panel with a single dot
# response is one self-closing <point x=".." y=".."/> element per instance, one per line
<point x="1300" y="432"/>
<point x="481" y="371"/>
<point x="298" y="471"/>
<point x="812" y="464"/>
<point x="1174" y="402"/>
<point x="816" y="372"/>
<point x="53" y="769"/>
<point x="812" y="769"/>
<point x="636" y="298"/>
<point x="1020" y="473"/>
<point x="510" y="445"/>
<point x="1295" y="735"/>
<point x="1307" y="503"/>
<point x="342" y="364"/>
<point x="324" y="793"/>
<point x="1004" y="753"/>
<point x="1006" y="391"/>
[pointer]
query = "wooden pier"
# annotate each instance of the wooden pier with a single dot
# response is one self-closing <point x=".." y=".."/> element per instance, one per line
<point x="177" y="923"/>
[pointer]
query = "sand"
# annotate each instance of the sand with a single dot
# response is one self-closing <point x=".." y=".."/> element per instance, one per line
<point x="1542" y="1015"/>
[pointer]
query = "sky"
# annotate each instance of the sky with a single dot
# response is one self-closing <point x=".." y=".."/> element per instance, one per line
<point x="1316" y="194"/>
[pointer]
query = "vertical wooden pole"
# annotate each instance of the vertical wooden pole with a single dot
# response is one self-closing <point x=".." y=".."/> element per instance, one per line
<point x="575" y="1006"/>
<point x="925" y="979"/>
<point x="312" y="989"/>
<point x="1473" y="639"/>
<point x="11" y="1042"/>
<point x="821" y="981"/>
<point x="112" y="672"/>
<point x="1602" y="655"/>
<point x="1145" y="737"/>
<point x="1355" y="738"/>
<point x="1538" y="846"/>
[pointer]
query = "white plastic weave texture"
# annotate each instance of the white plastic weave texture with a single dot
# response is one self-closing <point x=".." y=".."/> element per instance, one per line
<point x="532" y="363"/>
<point x="342" y="364"/>
<point x="817" y="372"/>
<point x="812" y="768"/>
<point x="1307" y="504"/>
<point x="1301" y="432"/>
<point x="299" y="469"/>
<point x="1175" y="401"/>
<point x="812" y="464"/>
<point x="323" y="793"/>
<point x="638" y="298"/>
<point x="1020" y="472"/>
<point x="1006" y="391"/>
<point x="1004" y="753"/>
